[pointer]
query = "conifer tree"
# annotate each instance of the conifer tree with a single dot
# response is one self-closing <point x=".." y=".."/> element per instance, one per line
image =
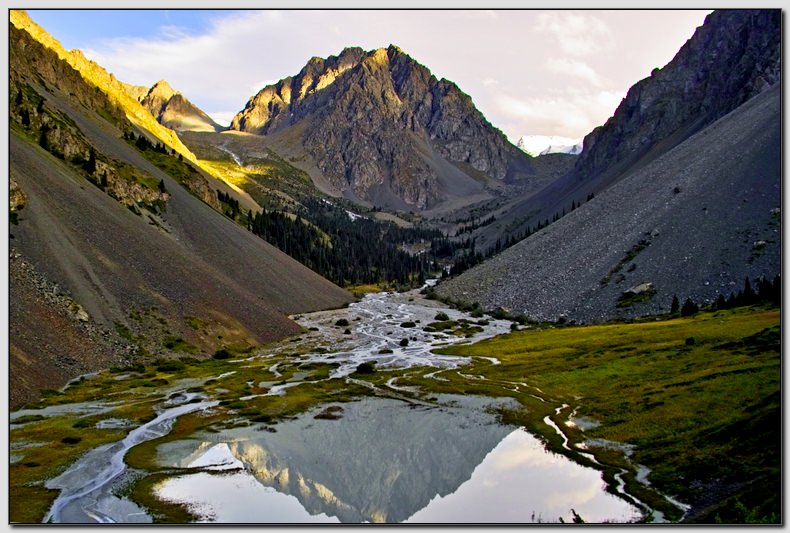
<point x="689" y="308"/>
<point x="675" y="308"/>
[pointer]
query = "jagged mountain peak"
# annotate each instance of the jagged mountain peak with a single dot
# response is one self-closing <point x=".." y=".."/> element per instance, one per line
<point x="380" y="127"/>
<point x="172" y="109"/>
<point x="733" y="56"/>
<point x="162" y="88"/>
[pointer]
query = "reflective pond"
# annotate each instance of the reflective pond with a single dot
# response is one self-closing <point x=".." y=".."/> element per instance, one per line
<point x="386" y="461"/>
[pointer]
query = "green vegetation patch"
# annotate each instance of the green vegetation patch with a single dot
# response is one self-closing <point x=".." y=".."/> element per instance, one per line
<point x="630" y="255"/>
<point x="460" y="328"/>
<point x="629" y="299"/>
<point x="177" y="344"/>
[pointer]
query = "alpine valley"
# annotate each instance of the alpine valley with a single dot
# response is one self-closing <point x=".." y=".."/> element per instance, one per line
<point x="361" y="298"/>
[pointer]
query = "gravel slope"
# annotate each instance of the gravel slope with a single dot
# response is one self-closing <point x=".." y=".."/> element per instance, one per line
<point x="109" y="257"/>
<point x="702" y="238"/>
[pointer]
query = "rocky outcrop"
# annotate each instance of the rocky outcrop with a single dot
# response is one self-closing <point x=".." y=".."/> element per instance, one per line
<point x="16" y="198"/>
<point x="174" y="111"/>
<point x="731" y="58"/>
<point x="379" y="120"/>
<point x="128" y="192"/>
<point x="54" y="131"/>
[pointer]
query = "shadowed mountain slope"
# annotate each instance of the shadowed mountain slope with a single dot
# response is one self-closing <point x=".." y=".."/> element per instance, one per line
<point x="733" y="56"/>
<point x="693" y="222"/>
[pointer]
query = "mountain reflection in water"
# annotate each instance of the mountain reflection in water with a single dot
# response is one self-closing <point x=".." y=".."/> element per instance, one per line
<point x="386" y="461"/>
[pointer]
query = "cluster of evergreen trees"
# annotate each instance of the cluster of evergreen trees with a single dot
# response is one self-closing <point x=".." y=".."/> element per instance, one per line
<point x="766" y="292"/>
<point x="231" y="207"/>
<point x="346" y="250"/>
<point x="470" y="257"/>
<point x="142" y="143"/>
<point x="475" y="223"/>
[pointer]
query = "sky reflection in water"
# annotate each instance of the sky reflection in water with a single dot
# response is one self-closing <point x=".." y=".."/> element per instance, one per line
<point x="387" y="462"/>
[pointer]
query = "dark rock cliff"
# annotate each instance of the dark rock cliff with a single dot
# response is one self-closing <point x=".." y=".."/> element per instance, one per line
<point x="732" y="57"/>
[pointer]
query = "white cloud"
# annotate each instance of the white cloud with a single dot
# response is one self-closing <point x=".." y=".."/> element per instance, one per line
<point x="565" y="114"/>
<point x="173" y="32"/>
<point x="572" y="67"/>
<point x="223" y="118"/>
<point x="610" y="99"/>
<point x="501" y="59"/>
<point x="577" y="34"/>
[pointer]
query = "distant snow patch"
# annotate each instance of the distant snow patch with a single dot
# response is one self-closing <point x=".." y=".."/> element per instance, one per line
<point x="536" y="145"/>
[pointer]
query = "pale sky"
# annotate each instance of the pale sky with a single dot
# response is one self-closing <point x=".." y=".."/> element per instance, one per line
<point x="535" y="72"/>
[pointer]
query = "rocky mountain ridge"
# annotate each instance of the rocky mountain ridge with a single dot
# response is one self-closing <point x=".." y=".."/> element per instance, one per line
<point x="732" y="57"/>
<point x="173" y="110"/>
<point x="380" y="127"/>
<point x="687" y="194"/>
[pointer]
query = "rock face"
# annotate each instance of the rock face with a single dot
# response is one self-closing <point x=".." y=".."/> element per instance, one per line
<point x="173" y="110"/>
<point x="16" y="198"/>
<point x="733" y="56"/>
<point x="379" y="125"/>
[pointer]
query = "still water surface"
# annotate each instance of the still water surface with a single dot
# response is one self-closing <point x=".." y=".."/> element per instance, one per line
<point x="387" y="461"/>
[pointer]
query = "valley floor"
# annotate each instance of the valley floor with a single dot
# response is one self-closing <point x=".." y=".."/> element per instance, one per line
<point x="681" y="416"/>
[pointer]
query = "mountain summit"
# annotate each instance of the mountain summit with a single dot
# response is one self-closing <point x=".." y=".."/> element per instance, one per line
<point x="733" y="56"/>
<point x="379" y="127"/>
<point x="174" y="111"/>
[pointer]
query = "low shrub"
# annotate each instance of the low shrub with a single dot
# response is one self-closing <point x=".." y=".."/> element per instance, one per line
<point x="366" y="368"/>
